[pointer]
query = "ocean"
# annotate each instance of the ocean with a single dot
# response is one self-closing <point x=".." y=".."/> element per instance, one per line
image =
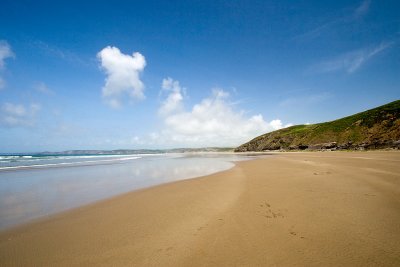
<point x="35" y="186"/>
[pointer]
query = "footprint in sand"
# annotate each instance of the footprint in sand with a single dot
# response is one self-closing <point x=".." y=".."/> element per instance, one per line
<point x="293" y="233"/>
<point x="269" y="213"/>
<point x="322" y="173"/>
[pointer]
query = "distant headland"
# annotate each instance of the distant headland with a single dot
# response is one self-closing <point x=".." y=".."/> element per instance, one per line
<point x="377" y="128"/>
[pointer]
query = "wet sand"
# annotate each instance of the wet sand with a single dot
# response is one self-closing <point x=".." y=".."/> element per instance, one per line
<point x="293" y="209"/>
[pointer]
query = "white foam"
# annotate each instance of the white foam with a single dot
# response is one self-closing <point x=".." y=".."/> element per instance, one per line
<point x="66" y="163"/>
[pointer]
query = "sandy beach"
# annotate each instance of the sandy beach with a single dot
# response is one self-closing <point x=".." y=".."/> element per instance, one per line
<point x="291" y="209"/>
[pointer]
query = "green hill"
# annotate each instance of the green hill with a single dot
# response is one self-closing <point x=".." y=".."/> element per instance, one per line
<point x="372" y="129"/>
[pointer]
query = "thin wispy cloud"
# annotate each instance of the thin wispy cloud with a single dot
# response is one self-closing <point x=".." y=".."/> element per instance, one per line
<point x="69" y="130"/>
<point x="63" y="54"/>
<point x="2" y="83"/>
<point x="306" y="100"/>
<point x="316" y="31"/>
<point x="5" y="53"/>
<point x="350" y="61"/>
<point x="123" y="75"/>
<point x="18" y="115"/>
<point x="42" y="88"/>
<point x="362" y="9"/>
<point x="347" y="17"/>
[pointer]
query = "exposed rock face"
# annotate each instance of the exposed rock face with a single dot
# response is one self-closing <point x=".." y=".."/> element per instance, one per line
<point x="377" y="128"/>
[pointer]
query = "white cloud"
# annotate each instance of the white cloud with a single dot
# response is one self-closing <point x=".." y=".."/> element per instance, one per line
<point x="351" y="61"/>
<point x="211" y="122"/>
<point x="175" y="97"/>
<point x="13" y="115"/>
<point x="123" y="75"/>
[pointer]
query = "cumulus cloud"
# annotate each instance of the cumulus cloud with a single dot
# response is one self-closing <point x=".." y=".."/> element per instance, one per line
<point x="14" y="115"/>
<point x="173" y="102"/>
<point x="213" y="121"/>
<point x="350" y="61"/>
<point x="123" y="75"/>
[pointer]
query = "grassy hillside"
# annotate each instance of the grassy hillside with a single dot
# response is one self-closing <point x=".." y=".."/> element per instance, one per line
<point x="372" y="129"/>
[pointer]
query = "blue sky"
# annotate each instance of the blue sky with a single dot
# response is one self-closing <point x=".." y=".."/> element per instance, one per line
<point x="160" y="74"/>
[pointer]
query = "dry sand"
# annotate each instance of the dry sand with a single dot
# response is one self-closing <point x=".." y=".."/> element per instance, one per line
<point x="293" y="209"/>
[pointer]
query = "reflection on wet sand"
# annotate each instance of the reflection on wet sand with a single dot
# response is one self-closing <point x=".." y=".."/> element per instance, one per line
<point x="33" y="193"/>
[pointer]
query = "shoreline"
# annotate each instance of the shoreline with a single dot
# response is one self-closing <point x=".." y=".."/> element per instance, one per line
<point x="296" y="208"/>
<point x="32" y="193"/>
<point x="105" y="200"/>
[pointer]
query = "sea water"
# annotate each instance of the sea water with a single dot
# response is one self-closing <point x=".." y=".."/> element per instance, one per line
<point x="32" y="186"/>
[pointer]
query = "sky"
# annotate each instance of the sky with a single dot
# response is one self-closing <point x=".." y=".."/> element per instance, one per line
<point x="166" y="74"/>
